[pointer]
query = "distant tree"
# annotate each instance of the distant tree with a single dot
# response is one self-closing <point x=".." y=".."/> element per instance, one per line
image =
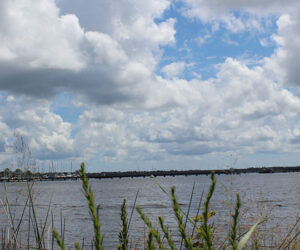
<point x="28" y="173"/>
<point x="18" y="171"/>
<point x="6" y="172"/>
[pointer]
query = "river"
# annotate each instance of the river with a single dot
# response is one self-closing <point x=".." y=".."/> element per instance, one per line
<point x="275" y="196"/>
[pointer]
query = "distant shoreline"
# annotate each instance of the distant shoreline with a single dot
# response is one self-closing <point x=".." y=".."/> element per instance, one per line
<point x="261" y="170"/>
<point x="63" y="176"/>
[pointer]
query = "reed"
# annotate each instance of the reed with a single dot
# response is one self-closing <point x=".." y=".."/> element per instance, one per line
<point x="123" y="235"/>
<point x="233" y="234"/>
<point x="166" y="233"/>
<point x="93" y="210"/>
<point x="59" y="241"/>
<point x="184" y="236"/>
<point x="154" y="232"/>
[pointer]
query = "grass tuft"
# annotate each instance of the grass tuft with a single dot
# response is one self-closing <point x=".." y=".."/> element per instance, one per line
<point x="206" y="230"/>
<point x="123" y="235"/>
<point x="233" y="234"/>
<point x="166" y="233"/>
<point x="60" y="243"/>
<point x="185" y="237"/>
<point x="152" y="230"/>
<point x="94" y="211"/>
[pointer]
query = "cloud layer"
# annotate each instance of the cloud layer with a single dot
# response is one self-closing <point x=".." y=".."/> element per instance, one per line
<point x="107" y="56"/>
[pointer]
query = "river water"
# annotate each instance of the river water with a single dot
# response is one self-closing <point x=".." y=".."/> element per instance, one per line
<point x="275" y="196"/>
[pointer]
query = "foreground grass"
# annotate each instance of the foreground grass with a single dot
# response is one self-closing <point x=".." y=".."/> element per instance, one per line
<point x="202" y="237"/>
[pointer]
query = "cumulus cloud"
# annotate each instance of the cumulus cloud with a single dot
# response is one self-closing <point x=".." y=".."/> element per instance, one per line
<point x="284" y="63"/>
<point x="173" y="69"/>
<point x="253" y="14"/>
<point x="209" y="10"/>
<point x="241" y="111"/>
<point x="106" y="58"/>
<point x="48" y="136"/>
<point x="43" y="51"/>
<point x="34" y="35"/>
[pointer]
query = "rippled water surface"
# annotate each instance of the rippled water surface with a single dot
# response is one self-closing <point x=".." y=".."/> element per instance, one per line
<point x="276" y="195"/>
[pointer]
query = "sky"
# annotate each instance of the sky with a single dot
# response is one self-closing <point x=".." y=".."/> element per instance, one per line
<point x="148" y="85"/>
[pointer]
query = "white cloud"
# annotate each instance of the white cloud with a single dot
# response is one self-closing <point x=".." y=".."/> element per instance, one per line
<point x="174" y="69"/>
<point x="208" y="10"/>
<point x="34" y="35"/>
<point x="253" y="15"/>
<point x="203" y="39"/>
<point x="48" y="136"/>
<point x="264" y="42"/>
<point x="48" y="51"/>
<point x="108" y="51"/>
<point x="284" y="63"/>
<point x="241" y="111"/>
<point x="129" y="112"/>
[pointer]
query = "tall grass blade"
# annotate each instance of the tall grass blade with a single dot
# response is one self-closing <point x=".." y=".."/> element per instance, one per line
<point x="198" y="210"/>
<point x="206" y="229"/>
<point x="181" y="210"/>
<point x="9" y="208"/>
<point x="123" y="235"/>
<point x="133" y="208"/>
<point x="152" y="230"/>
<point x="61" y="226"/>
<point x="77" y="246"/>
<point x="150" y="242"/>
<point x="242" y="243"/>
<point x="29" y="222"/>
<point x="52" y="238"/>
<point x="82" y="245"/>
<point x="188" y="212"/>
<point x="94" y="212"/>
<point x="46" y="220"/>
<point x="187" y="240"/>
<point x="3" y="238"/>
<point x="34" y="221"/>
<point x="21" y="219"/>
<point x="39" y="232"/>
<point x="233" y="234"/>
<point x="289" y="233"/>
<point x="60" y="243"/>
<point x="295" y="236"/>
<point x="166" y="232"/>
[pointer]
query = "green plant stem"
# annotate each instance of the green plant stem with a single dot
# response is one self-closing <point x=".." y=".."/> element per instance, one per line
<point x="77" y="246"/>
<point x="188" y="212"/>
<point x="187" y="240"/>
<point x="181" y="210"/>
<point x="233" y="235"/>
<point x="150" y="242"/>
<point x="153" y="231"/>
<point x="198" y="210"/>
<point x="133" y="208"/>
<point x="166" y="232"/>
<point x="58" y="240"/>
<point x="123" y="235"/>
<point x="205" y="228"/>
<point x="39" y="237"/>
<point x="94" y="212"/>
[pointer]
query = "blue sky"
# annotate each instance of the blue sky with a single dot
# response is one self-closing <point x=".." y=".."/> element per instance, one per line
<point x="141" y="85"/>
